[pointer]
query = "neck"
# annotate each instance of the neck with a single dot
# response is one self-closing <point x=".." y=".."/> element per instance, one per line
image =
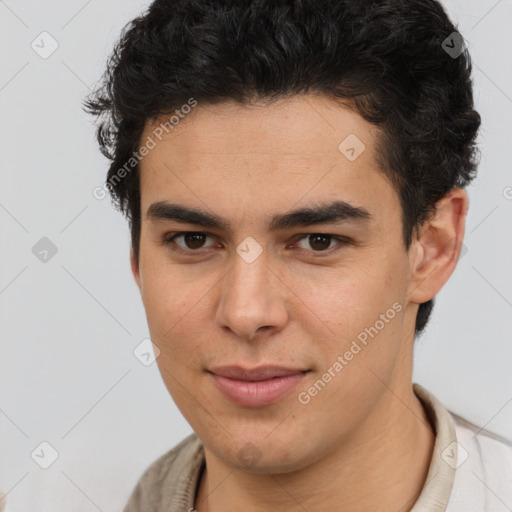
<point x="382" y="466"/>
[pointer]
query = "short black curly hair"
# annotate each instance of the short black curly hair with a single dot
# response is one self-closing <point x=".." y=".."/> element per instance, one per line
<point x="385" y="58"/>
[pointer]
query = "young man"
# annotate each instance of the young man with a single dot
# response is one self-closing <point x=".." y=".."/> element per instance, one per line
<point x="293" y="173"/>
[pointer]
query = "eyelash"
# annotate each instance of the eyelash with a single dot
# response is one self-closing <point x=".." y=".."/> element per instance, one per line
<point x="169" y="238"/>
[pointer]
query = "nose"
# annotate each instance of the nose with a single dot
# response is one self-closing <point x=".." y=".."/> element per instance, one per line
<point x="253" y="299"/>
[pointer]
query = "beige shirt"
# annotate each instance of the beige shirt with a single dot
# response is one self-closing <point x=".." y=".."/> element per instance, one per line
<point x="470" y="470"/>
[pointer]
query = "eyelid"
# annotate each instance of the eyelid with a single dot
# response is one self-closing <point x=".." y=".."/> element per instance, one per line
<point x="168" y="240"/>
<point x="342" y="241"/>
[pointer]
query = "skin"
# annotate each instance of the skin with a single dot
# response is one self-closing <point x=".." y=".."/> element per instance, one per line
<point x="364" y="441"/>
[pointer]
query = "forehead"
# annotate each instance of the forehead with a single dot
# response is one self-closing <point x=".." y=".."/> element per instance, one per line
<point x="303" y="125"/>
<point x="260" y="156"/>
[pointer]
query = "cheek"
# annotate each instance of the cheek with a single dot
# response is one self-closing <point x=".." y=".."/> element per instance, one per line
<point x="174" y="308"/>
<point x="346" y="305"/>
<point x="342" y="298"/>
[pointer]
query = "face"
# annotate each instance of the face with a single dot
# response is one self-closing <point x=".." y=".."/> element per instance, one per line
<point x="327" y="293"/>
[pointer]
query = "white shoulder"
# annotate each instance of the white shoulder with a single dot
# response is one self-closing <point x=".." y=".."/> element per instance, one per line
<point x="483" y="473"/>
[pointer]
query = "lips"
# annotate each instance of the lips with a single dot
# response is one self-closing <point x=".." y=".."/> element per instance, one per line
<point x="255" y="374"/>
<point x="256" y="387"/>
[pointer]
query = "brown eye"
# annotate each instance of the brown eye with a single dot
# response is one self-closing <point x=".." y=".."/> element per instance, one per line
<point x="317" y="242"/>
<point x="193" y="241"/>
<point x="321" y="242"/>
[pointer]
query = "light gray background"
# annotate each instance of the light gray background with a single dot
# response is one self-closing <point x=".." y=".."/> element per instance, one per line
<point x="69" y="326"/>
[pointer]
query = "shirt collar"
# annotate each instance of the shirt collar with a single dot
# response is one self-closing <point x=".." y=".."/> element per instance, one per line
<point x="438" y="486"/>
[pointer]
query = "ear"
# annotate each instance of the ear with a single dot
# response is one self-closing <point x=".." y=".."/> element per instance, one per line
<point x="436" y="250"/>
<point x="135" y="268"/>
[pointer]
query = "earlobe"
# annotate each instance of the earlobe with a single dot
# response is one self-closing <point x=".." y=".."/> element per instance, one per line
<point x="438" y="246"/>
<point x="135" y="268"/>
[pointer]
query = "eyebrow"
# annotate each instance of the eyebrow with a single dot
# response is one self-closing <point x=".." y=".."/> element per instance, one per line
<point x="334" y="212"/>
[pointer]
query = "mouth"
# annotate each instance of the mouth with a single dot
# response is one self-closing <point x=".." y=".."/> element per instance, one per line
<point x="256" y="387"/>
